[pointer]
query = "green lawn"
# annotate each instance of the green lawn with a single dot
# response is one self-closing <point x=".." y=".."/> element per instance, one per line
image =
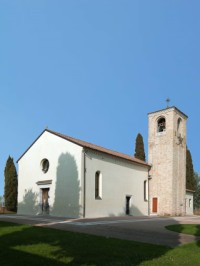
<point x="190" y="229"/>
<point x="28" y="245"/>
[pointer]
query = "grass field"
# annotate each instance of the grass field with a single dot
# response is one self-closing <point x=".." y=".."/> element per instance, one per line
<point x="190" y="229"/>
<point x="28" y="245"/>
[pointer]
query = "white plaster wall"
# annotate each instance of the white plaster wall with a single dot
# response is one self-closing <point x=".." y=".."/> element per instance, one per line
<point x="65" y="171"/>
<point x="119" y="179"/>
<point x="189" y="206"/>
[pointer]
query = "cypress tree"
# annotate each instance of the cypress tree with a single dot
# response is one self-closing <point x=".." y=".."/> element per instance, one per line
<point x="139" y="148"/>
<point x="190" y="175"/>
<point x="197" y="192"/>
<point x="11" y="185"/>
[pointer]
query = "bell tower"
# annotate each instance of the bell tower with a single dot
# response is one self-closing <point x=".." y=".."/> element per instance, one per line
<point x="167" y="155"/>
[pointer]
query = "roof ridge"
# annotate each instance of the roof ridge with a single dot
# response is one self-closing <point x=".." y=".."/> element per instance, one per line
<point x="98" y="148"/>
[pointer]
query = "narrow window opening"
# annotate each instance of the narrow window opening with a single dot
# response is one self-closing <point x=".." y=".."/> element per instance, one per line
<point x="128" y="204"/>
<point x="98" y="185"/>
<point x="179" y="125"/>
<point x="190" y="204"/>
<point x="179" y="131"/>
<point x="145" y="190"/>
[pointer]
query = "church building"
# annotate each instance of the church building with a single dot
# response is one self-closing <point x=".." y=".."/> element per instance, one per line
<point x="62" y="176"/>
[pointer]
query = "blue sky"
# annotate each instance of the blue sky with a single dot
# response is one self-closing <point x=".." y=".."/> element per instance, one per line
<point x="94" y="69"/>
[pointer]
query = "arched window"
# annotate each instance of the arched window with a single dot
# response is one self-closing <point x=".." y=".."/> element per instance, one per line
<point x="98" y="185"/>
<point x="161" y="126"/>
<point x="190" y="203"/>
<point x="179" y="131"/>
<point x="145" y="190"/>
<point x="179" y="125"/>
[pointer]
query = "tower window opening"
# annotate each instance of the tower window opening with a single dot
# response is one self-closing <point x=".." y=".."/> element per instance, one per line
<point x="179" y="126"/>
<point x="179" y="131"/>
<point x="161" y="124"/>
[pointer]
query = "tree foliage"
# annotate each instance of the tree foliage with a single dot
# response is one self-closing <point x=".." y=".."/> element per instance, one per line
<point x="139" y="148"/>
<point x="197" y="192"/>
<point x="190" y="178"/>
<point x="11" y="185"/>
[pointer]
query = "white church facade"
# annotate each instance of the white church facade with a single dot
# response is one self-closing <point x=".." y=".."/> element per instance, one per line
<point x="63" y="176"/>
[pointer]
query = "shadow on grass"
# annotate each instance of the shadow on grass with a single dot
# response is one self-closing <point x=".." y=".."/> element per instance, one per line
<point x="188" y="229"/>
<point x="26" y="245"/>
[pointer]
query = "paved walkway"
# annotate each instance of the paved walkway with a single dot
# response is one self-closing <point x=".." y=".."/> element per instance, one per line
<point x="142" y="229"/>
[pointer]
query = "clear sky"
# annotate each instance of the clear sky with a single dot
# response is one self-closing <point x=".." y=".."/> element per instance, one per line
<point x="93" y="69"/>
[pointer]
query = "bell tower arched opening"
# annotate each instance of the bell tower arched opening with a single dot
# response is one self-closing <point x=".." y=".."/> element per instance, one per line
<point x="161" y="124"/>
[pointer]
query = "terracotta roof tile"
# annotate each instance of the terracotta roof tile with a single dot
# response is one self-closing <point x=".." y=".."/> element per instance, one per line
<point x="190" y="190"/>
<point x="99" y="148"/>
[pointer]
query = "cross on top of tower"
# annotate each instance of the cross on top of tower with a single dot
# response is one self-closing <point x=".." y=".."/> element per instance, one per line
<point x="168" y="101"/>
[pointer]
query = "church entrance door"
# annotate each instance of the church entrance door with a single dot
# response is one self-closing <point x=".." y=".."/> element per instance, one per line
<point x="155" y="205"/>
<point x="45" y="200"/>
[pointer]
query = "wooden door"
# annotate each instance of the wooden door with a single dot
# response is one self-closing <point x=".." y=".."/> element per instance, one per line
<point x="45" y="195"/>
<point x="155" y="205"/>
<point x="45" y="202"/>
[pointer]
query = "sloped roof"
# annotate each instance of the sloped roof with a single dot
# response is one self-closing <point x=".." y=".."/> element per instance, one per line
<point x="91" y="146"/>
<point x="168" y="108"/>
<point x="190" y="190"/>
